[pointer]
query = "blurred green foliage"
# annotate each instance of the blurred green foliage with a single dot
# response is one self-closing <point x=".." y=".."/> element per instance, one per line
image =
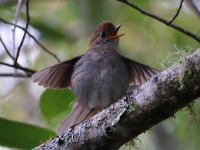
<point x="65" y="27"/>
<point x="22" y="136"/>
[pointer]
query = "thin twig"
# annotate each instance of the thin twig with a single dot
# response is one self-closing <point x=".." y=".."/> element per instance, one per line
<point x="19" y="6"/>
<point x="177" y="13"/>
<point x="25" y="31"/>
<point x="6" y="49"/>
<point x="17" y="75"/>
<point x="27" y="70"/>
<point x="36" y="41"/>
<point x="186" y="32"/>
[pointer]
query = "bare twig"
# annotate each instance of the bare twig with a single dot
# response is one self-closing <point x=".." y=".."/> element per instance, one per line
<point x="178" y="28"/>
<point x="16" y="75"/>
<point x="25" y="31"/>
<point x="26" y="70"/>
<point x="6" y="49"/>
<point x="177" y="13"/>
<point x="9" y="54"/>
<point x="19" y="6"/>
<point x="17" y="66"/>
<point x="36" y="41"/>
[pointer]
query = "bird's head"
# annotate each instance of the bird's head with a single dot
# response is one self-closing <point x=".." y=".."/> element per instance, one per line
<point x="105" y="35"/>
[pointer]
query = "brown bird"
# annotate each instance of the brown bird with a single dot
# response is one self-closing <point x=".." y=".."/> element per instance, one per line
<point x="97" y="78"/>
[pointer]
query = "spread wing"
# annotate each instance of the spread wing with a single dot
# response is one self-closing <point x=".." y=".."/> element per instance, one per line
<point x="57" y="76"/>
<point x="138" y="73"/>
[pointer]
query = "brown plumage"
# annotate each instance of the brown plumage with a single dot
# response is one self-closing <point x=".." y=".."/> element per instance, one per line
<point x="98" y="78"/>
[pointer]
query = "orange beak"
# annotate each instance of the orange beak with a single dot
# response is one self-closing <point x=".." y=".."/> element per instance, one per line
<point x="113" y="35"/>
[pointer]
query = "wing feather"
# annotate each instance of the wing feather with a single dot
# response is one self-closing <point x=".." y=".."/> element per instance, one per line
<point x="57" y="76"/>
<point x="138" y="73"/>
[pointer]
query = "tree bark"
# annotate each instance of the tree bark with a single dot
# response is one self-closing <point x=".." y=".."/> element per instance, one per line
<point x="156" y="100"/>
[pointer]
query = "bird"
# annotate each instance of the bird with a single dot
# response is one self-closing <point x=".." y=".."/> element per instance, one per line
<point x="97" y="78"/>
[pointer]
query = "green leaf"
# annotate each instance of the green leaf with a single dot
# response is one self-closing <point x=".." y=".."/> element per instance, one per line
<point x="55" y="102"/>
<point x="22" y="135"/>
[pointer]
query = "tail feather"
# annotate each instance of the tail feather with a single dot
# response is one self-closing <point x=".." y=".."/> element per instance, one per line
<point x="78" y="114"/>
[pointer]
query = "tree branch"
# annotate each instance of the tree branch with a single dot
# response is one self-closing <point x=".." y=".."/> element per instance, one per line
<point x="19" y="6"/>
<point x="28" y="71"/>
<point x="156" y="100"/>
<point x="6" y="49"/>
<point x="16" y="75"/>
<point x="25" y="31"/>
<point x="8" y="52"/>
<point x="168" y="23"/>
<point x="36" y="41"/>
<point x="177" y="13"/>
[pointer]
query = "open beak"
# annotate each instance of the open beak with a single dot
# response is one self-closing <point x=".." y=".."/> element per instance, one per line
<point x="113" y="35"/>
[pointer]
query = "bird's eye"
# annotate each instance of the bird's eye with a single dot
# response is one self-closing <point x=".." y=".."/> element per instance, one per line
<point x="103" y="34"/>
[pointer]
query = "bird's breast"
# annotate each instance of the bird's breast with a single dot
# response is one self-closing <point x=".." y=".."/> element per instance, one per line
<point x="99" y="81"/>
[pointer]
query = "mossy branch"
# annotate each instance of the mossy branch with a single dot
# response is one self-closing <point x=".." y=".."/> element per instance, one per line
<point x="156" y="100"/>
